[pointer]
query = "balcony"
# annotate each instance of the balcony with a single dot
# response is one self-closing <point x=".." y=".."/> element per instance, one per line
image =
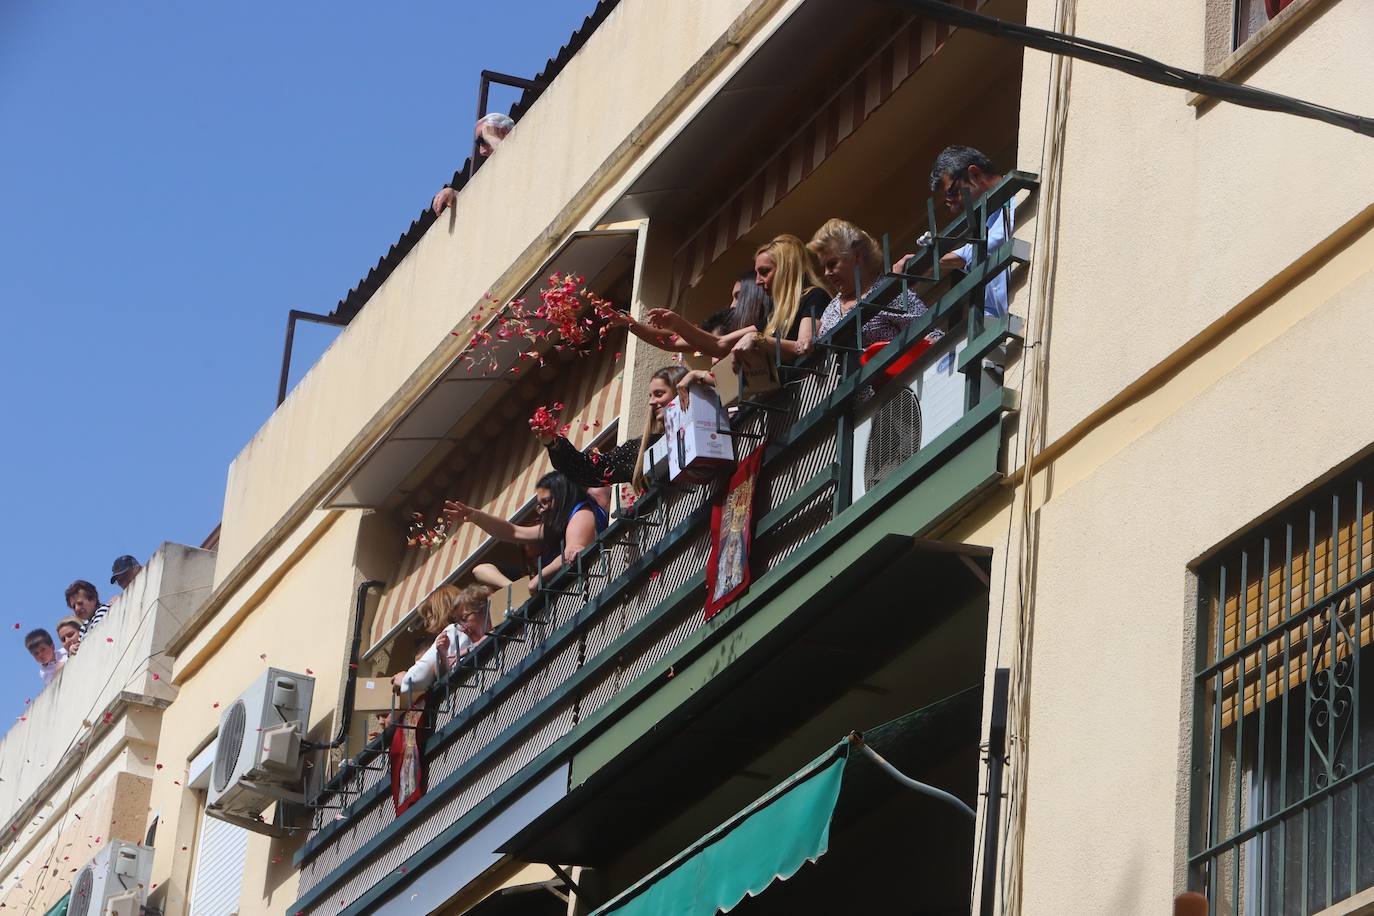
<point x="614" y="661"/>
<point x="96" y="724"/>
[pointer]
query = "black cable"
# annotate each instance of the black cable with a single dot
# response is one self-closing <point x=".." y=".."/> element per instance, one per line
<point x="1135" y="64"/>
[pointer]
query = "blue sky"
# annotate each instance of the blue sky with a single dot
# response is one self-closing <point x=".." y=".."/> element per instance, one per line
<point x="174" y="177"/>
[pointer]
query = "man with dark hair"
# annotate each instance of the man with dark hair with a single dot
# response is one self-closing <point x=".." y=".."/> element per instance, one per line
<point x="959" y="170"/>
<point x="84" y="601"/>
<point x="49" y="657"/>
<point x="124" y="570"/>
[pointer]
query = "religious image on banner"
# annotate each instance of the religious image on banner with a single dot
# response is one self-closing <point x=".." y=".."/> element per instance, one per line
<point x="407" y="753"/>
<point x="732" y="536"/>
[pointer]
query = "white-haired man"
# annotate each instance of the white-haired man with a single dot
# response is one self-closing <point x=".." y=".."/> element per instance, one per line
<point x="489" y="131"/>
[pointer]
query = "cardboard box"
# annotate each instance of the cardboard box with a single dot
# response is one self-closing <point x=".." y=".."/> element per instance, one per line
<point x="656" y="460"/>
<point x="759" y="378"/>
<point x="372" y="694"/>
<point x="698" y="438"/>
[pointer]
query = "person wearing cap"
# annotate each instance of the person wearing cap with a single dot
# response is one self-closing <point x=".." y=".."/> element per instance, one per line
<point x="124" y="570"/>
<point x="85" y="603"/>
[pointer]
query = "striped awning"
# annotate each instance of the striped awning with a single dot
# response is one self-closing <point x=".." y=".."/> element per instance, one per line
<point x="501" y="482"/>
<point x="888" y="68"/>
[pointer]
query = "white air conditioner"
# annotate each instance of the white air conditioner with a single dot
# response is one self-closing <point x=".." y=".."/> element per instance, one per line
<point x="258" y="757"/>
<point x="114" y="883"/>
<point x="911" y="410"/>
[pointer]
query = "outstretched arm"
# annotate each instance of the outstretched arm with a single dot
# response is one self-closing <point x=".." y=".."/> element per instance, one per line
<point x="772" y="346"/>
<point x="499" y="528"/>
<point x="697" y="339"/>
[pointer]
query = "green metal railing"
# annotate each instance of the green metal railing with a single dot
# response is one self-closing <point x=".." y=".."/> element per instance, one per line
<point x="587" y="635"/>
<point x="1281" y="802"/>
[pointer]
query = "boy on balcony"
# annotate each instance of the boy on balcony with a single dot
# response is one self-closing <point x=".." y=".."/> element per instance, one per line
<point x="50" y="658"/>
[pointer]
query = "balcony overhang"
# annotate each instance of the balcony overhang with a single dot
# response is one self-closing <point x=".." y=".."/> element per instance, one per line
<point x="731" y="127"/>
<point x="429" y="424"/>
<point x="860" y="650"/>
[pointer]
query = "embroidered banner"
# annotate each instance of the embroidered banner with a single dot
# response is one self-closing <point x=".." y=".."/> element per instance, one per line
<point x="732" y="536"/>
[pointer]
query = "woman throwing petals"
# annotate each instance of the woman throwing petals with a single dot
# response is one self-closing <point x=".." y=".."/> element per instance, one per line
<point x="569" y="520"/>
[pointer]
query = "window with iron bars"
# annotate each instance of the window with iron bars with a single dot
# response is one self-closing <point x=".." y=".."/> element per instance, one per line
<point x="1283" y="716"/>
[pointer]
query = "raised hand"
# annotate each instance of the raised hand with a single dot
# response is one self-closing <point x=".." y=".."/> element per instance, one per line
<point x="443" y="200"/>
<point x="665" y="318"/>
<point x="457" y="512"/>
<point x="697" y="376"/>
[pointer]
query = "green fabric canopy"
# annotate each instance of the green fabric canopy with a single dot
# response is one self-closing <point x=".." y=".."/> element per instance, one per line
<point x="767" y="841"/>
<point x="60" y="908"/>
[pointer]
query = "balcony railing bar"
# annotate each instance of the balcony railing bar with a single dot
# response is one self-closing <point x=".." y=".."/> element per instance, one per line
<point x="555" y="640"/>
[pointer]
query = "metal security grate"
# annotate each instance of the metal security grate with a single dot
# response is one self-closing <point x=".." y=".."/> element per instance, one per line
<point x="1283" y="812"/>
<point x="230" y="744"/>
<point x="895" y="437"/>
<point x="81" y="893"/>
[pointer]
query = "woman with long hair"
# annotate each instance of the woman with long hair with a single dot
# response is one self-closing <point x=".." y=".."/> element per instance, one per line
<point x="750" y="307"/>
<point x="456" y="617"/>
<point x="842" y="247"/>
<point x="625" y="462"/>
<point x="789" y="272"/>
<point x="569" y="520"/>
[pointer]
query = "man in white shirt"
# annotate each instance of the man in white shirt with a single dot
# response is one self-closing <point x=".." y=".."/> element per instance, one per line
<point x="50" y="657"/>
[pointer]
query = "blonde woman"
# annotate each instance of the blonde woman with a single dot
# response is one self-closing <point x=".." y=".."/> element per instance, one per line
<point x="791" y="275"/>
<point x="458" y="618"/>
<point x="842" y="247"/>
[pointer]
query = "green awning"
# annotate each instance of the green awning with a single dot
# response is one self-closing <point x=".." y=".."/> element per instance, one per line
<point x="60" y="908"/>
<point x="768" y="841"/>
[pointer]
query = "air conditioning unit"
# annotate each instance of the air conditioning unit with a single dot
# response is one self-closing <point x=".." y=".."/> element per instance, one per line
<point x="114" y="883"/>
<point x="258" y="757"/>
<point x="911" y="410"/>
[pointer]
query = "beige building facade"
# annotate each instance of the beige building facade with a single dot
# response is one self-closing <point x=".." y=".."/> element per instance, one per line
<point x="1115" y="485"/>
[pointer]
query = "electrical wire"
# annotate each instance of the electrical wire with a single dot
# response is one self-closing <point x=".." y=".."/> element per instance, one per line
<point x="1136" y="64"/>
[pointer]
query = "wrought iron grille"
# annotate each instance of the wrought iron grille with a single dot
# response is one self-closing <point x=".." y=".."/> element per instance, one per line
<point x="1283" y="812"/>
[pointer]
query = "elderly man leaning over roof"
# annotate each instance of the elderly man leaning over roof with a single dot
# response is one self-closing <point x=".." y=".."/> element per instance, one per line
<point x="489" y="131"/>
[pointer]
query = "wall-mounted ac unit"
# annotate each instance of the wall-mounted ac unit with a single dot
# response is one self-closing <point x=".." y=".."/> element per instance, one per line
<point x="911" y="410"/>
<point x="114" y="883"/>
<point x="258" y="757"/>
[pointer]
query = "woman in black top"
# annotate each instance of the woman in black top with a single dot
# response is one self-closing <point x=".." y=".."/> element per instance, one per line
<point x="625" y="462"/>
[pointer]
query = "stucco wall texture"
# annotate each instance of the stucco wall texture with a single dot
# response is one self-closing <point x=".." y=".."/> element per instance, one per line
<point x="1176" y="222"/>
